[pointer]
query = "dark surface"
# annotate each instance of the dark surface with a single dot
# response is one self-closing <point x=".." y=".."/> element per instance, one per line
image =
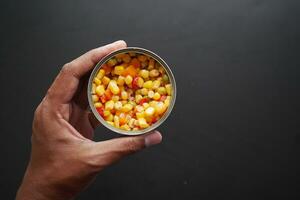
<point x="234" y="132"/>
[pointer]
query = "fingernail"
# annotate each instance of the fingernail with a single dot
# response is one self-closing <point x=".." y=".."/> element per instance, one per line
<point x="153" y="138"/>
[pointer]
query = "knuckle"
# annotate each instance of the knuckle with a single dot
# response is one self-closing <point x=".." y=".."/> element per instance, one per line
<point x="133" y="145"/>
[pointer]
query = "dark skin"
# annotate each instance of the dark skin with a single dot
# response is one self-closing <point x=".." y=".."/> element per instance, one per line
<point x="64" y="158"/>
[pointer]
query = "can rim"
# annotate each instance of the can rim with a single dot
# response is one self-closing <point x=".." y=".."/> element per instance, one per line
<point x="136" y="50"/>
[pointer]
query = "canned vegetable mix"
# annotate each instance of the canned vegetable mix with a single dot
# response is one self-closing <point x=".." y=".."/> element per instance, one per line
<point x="131" y="91"/>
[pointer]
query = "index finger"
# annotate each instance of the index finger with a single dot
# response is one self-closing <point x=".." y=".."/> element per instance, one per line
<point x="66" y="83"/>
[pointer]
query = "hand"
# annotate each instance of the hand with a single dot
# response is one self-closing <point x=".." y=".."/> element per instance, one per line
<point x="64" y="159"/>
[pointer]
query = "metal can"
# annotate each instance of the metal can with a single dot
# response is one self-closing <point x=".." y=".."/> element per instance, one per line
<point x="139" y="51"/>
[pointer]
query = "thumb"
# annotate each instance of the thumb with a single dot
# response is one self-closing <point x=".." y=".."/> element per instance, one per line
<point x="110" y="151"/>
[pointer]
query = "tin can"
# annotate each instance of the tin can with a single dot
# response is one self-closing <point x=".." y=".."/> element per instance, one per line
<point x="139" y="51"/>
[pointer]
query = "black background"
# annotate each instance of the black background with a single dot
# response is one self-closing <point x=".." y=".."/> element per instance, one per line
<point x="234" y="130"/>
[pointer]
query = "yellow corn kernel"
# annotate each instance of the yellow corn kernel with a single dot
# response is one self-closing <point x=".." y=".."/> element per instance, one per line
<point x="143" y="123"/>
<point x="148" y="84"/>
<point x="144" y="73"/>
<point x="167" y="101"/>
<point x="116" y="121"/>
<point x="165" y="78"/>
<point x="160" y="108"/>
<point x="95" y="98"/>
<point x="123" y="102"/>
<point x="124" y="95"/>
<point x="100" y="74"/>
<point x="144" y="91"/>
<point x="126" y="58"/>
<point x="110" y="118"/>
<point x="110" y="123"/>
<point x="97" y="81"/>
<point x="150" y="94"/>
<point x="128" y="80"/>
<point x="162" y="90"/>
<point x="94" y="88"/>
<point x="118" y="105"/>
<point x="121" y="80"/>
<point x="125" y="127"/>
<point x="109" y="105"/>
<point x="146" y="105"/>
<point x="105" y="80"/>
<point x="140" y="115"/>
<point x="112" y="62"/>
<point x="126" y="108"/>
<point x="153" y="103"/>
<point x="156" y="84"/>
<point x="151" y="64"/>
<point x="140" y="82"/>
<point x="131" y="123"/>
<point x="100" y="90"/>
<point x="149" y="111"/>
<point x="98" y="105"/>
<point x="132" y="103"/>
<point x="119" y="70"/>
<point x="142" y="58"/>
<point x="154" y="73"/>
<point x="115" y="98"/>
<point x="139" y="108"/>
<point x="106" y="113"/>
<point x="156" y="96"/>
<point x="113" y="87"/>
<point x="138" y="98"/>
<point x="168" y="89"/>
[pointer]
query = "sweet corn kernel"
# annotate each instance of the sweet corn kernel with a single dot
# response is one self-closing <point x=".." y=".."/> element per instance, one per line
<point x="100" y="90"/>
<point x="110" y="123"/>
<point x="151" y="64"/>
<point x="156" y="84"/>
<point x="143" y="123"/>
<point x="110" y="118"/>
<point x="142" y="58"/>
<point x="105" y="80"/>
<point x="126" y="58"/>
<point x="139" y="108"/>
<point x="106" y="113"/>
<point x="139" y="115"/>
<point x="98" y="105"/>
<point x="150" y="94"/>
<point x="131" y="123"/>
<point x="126" y="108"/>
<point x="138" y="98"/>
<point x="144" y="73"/>
<point x="140" y="82"/>
<point x="121" y="80"/>
<point x="124" y="95"/>
<point x="153" y="103"/>
<point x="146" y="105"/>
<point x="154" y="73"/>
<point x="100" y="74"/>
<point x="148" y="84"/>
<point x="125" y="127"/>
<point x="109" y="105"/>
<point x="111" y="62"/>
<point x="144" y="91"/>
<point x="116" y="121"/>
<point x="167" y="102"/>
<point x="113" y="87"/>
<point x="94" y="88"/>
<point x="156" y="96"/>
<point x="160" y="108"/>
<point x="118" y="105"/>
<point x="118" y="70"/>
<point x="115" y="98"/>
<point x="149" y="111"/>
<point x="95" y="98"/>
<point x="162" y="90"/>
<point x="128" y="80"/>
<point x="97" y="81"/>
<point x="168" y="89"/>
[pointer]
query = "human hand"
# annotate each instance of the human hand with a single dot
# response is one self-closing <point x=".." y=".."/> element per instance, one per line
<point x="64" y="159"/>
